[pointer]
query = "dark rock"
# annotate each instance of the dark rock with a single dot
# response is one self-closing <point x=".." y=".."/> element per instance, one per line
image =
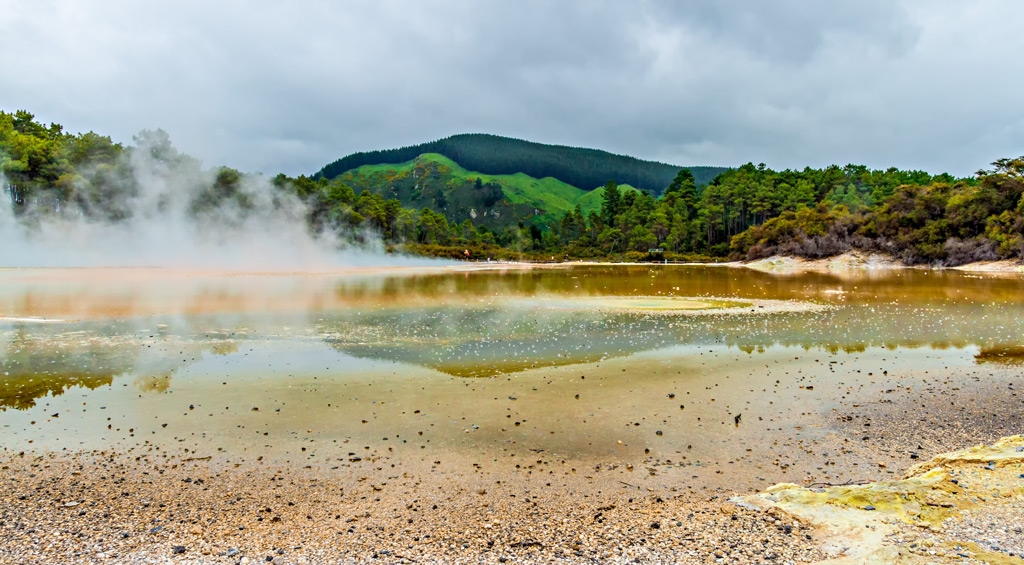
<point x="178" y="549"/>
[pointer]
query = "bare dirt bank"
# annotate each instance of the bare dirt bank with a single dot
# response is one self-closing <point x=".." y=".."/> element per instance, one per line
<point x="860" y="261"/>
<point x="851" y="261"/>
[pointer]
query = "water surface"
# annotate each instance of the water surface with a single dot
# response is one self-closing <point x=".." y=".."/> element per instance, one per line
<point x="669" y="365"/>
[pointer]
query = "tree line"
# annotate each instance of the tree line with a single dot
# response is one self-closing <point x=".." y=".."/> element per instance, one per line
<point x="744" y="213"/>
<point x="945" y="222"/>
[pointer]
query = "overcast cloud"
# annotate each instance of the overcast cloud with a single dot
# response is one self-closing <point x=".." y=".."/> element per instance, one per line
<point x="288" y="86"/>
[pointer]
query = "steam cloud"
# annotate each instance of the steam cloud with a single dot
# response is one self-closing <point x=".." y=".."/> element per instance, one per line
<point x="169" y="216"/>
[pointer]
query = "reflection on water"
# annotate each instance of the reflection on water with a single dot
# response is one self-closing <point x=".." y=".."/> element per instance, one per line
<point x="1002" y="354"/>
<point x="146" y="325"/>
<point x="39" y="360"/>
<point x="34" y="367"/>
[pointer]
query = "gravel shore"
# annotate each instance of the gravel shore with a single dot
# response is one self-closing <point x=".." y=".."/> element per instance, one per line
<point x="96" y="509"/>
<point x="157" y="503"/>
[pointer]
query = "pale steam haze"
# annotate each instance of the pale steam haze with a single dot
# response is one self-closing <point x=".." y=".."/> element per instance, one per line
<point x="163" y="230"/>
<point x="263" y="240"/>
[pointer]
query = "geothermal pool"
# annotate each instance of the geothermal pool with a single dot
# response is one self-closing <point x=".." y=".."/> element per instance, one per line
<point x="664" y="376"/>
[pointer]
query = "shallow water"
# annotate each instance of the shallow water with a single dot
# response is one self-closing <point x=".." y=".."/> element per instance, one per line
<point x="612" y="364"/>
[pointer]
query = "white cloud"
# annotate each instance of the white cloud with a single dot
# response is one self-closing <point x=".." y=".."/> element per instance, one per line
<point x="288" y="87"/>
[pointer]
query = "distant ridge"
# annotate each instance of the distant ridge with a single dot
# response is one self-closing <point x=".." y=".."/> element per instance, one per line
<point x="496" y="155"/>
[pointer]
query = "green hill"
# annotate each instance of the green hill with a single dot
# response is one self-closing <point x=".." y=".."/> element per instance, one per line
<point x="436" y="182"/>
<point x="495" y="155"/>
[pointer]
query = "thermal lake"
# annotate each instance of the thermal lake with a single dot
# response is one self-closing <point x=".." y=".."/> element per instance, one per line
<point x="661" y="377"/>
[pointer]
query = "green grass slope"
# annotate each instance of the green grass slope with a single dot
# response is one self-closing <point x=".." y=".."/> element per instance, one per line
<point x="436" y="182"/>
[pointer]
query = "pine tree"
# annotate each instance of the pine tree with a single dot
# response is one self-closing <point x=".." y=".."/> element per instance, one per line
<point x="612" y="203"/>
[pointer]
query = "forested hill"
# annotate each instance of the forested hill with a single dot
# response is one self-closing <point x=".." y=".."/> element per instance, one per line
<point x="495" y="155"/>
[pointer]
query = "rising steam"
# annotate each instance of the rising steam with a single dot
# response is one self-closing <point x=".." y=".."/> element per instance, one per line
<point x="166" y="211"/>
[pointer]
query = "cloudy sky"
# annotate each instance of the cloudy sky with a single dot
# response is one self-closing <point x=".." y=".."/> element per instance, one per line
<point x="288" y="86"/>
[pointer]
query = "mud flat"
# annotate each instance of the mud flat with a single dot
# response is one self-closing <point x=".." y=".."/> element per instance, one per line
<point x="684" y="305"/>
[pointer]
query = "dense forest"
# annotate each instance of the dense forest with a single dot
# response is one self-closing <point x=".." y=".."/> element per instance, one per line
<point x="48" y="173"/>
<point x="944" y="221"/>
<point x="45" y="166"/>
<point x="586" y="169"/>
<point x="743" y="213"/>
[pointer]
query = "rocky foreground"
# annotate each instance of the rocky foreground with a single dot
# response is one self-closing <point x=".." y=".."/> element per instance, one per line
<point x="94" y="509"/>
<point x="962" y="507"/>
